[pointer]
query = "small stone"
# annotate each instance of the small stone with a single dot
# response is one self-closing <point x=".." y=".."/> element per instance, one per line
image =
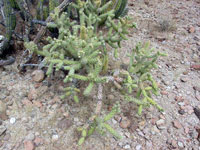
<point x="64" y="124"/>
<point x="37" y="85"/>
<point x="197" y="95"/>
<point x="76" y="119"/>
<point x="160" y="122"/>
<point x="12" y="120"/>
<point x="189" y="109"/>
<point x="55" y="137"/>
<point x="38" y="141"/>
<point x="191" y="29"/>
<point x="153" y="121"/>
<point x="125" y="123"/>
<point x="180" y="144"/>
<point x="3" y="108"/>
<point x="26" y="102"/>
<point x="149" y="145"/>
<point x="196" y="88"/>
<point x="186" y="129"/>
<point x="195" y="66"/>
<point x="177" y="124"/>
<point x="114" y="121"/>
<point x="38" y="75"/>
<point x="32" y="95"/>
<point x="111" y="97"/>
<point x="7" y="137"/>
<point x="2" y="130"/>
<point x="28" y="145"/>
<point x="127" y="146"/>
<point x="186" y="72"/>
<point x="142" y="124"/>
<point x="37" y="104"/>
<point x="179" y="98"/>
<point x="181" y="103"/>
<point x="30" y="137"/>
<point x="127" y="134"/>
<point x="174" y="144"/>
<point x="138" y="147"/>
<point x="184" y="79"/>
<point x="140" y="133"/>
<point x="181" y="111"/>
<point x="155" y="130"/>
<point x="120" y="144"/>
<point x="164" y="92"/>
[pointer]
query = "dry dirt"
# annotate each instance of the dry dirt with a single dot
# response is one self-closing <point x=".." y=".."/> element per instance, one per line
<point x="37" y="118"/>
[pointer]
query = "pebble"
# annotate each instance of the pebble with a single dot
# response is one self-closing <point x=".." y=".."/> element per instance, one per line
<point x="186" y="129"/>
<point x="177" y="124"/>
<point x="28" y="145"/>
<point x="55" y="137"/>
<point x="179" y="98"/>
<point x="12" y="120"/>
<point x="32" y="95"/>
<point x="125" y="123"/>
<point x="180" y="144"/>
<point x="127" y="146"/>
<point x="140" y="133"/>
<point x="114" y="121"/>
<point x="189" y="109"/>
<point x="164" y="92"/>
<point x="138" y="147"/>
<point x="181" y="111"/>
<point x="38" y="75"/>
<point x="37" y="104"/>
<point x="64" y="124"/>
<point x="7" y="137"/>
<point x="30" y="137"/>
<point x="181" y="103"/>
<point x="26" y="102"/>
<point x="174" y="144"/>
<point x="38" y="141"/>
<point x="120" y="144"/>
<point x="3" y="109"/>
<point x="155" y="130"/>
<point x="111" y="97"/>
<point x="195" y="67"/>
<point x="127" y="134"/>
<point x="184" y="79"/>
<point x="191" y="29"/>
<point x="160" y="122"/>
<point x="197" y="95"/>
<point x="149" y="145"/>
<point x="2" y="129"/>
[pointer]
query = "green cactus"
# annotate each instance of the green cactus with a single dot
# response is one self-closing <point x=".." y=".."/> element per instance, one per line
<point x="138" y="75"/>
<point x="120" y="7"/>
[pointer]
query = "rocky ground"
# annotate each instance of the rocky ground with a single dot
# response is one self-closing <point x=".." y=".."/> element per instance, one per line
<point x="32" y="116"/>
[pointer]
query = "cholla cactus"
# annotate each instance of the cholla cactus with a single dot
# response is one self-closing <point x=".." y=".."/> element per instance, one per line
<point x="82" y="45"/>
<point x="119" y="6"/>
<point x="142" y="61"/>
<point x="100" y="125"/>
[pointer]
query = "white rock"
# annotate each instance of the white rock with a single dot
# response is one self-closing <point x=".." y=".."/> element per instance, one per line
<point x="180" y="144"/>
<point x="138" y="147"/>
<point x="30" y="137"/>
<point x="12" y="120"/>
<point x="114" y="121"/>
<point x="127" y="146"/>
<point x="160" y="122"/>
<point x="55" y="137"/>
